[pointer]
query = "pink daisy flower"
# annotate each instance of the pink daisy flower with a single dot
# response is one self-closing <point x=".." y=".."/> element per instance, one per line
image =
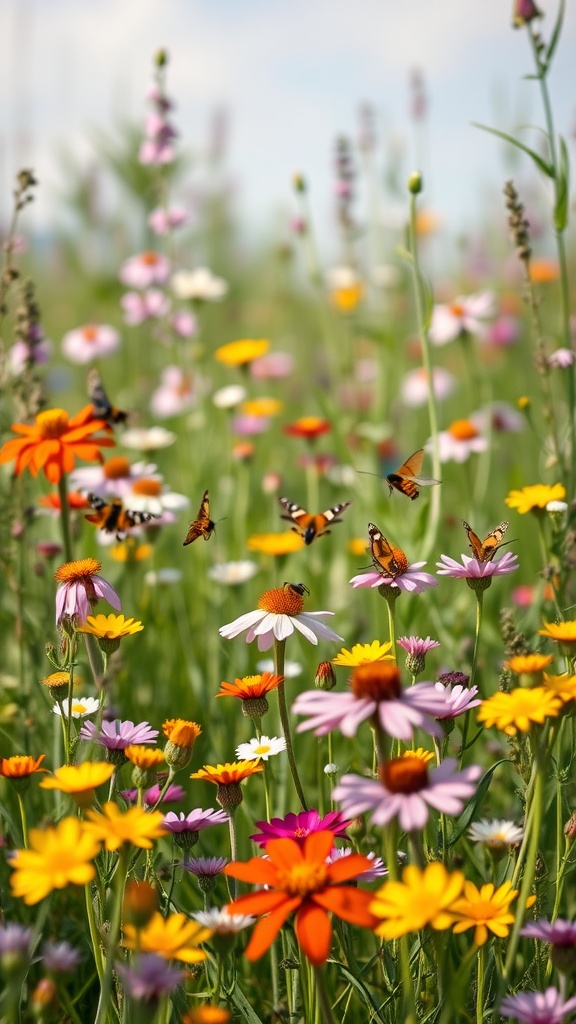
<point x="374" y="690"/>
<point x="163" y="222"/>
<point x="547" y="1007"/>
<point x="92" y="341"/>
<point x="145" y="269"/>
<point x="472" y="569"/>
<point x="407" y="790"/>
<point x="178" y="391"/>
<point x="416" y="646"/>
<point x="139" y="307"/>
<point x="561" y="358"/>
<point x="195" y="821"/>
<point x="117" y="735"/>
<point x="465" y="315"/>
<point x="298" y="826"/>
<point x="411" y="579"/>
<point x="459" y="699"/>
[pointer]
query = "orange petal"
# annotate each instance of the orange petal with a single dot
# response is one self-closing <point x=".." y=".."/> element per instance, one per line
<point x="314" y="933"/>
<point x="349" y="867"/>
<point x="349" y="903"/>
<point x="317" y="846"/>
<point x="266" y="930"/>
<point x="284" y="853"/>
<point x="256" y="870"/>
<point x="261" y="902"/>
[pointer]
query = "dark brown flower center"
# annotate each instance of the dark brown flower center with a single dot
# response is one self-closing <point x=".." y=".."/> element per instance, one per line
<point x="377" y="681"/>
<point x="408" y="774"/>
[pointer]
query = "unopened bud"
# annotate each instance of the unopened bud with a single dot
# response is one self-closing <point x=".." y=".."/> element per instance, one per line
<point x="140" y="903"/>
<point x="325" y="678"/>
<point x="415" y="183"/>
<point x="299" y="183"/>
<point x="44" y="997"/>
<point x="524" y="12"/>
<point x="570" y="827"/>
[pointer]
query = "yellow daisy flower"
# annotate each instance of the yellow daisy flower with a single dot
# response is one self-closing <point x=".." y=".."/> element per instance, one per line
<point x="240" y="353"/>
<point x="528" y="664"/>
<point x="564" y="686"/>
<point x="143" y="756"/>
<point x="114" y="827"/>
<point x="56" y="857"/>
<point x="112" y="627"/>
<point x="363" y="654"/>
<point x="486" y="910"/>
<point x="562" y="632"/>
<point x="422" y="898"/>
<point x="174" y="938"/>
<point x="275" y="543"/>
<point x="80" y="780"/>
<point x="535" y="497"/>
<point x="520" y="709"/>
<point x="262" y="407"/>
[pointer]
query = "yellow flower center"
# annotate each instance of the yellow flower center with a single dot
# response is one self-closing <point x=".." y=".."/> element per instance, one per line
<point x="281" y="602"/>
<point x="116" y="468"/>
<point x="90" y="333"/>
<point x="78" y="570"/>
<point x="378" y="681"/>
<point x="147" y="486"/>
<point x="56" y="679"/>
<point x="52" y="423"/>
<point x="462" y="430"/>
<point x="404" y="774"/>
<point x="302" y="878"/>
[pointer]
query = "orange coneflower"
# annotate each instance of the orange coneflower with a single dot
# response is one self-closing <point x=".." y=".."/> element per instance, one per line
<point x="55" y="441"/>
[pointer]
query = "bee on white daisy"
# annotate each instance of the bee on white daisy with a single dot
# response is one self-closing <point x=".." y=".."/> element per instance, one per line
<point x="262" y="748"/>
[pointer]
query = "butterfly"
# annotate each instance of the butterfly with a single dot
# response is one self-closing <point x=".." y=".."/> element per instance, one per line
<point x="406" y="479"/>
<point x="484" y="550"/>
<point x="383" y="556"/>
<point x="202" y="526"/>
<point x="112" y="517"/>
<point x="309" y="526"/>
<point x="297" y="588"/>
<point x="103" y="408"/>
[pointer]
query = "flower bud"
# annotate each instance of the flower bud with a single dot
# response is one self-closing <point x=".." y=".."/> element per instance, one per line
<point x="524" y="12"/>
<point x="325" y="678"/>
<point x="140" y="903"/>
<point x="415" y="183"/>
<point x="570" y="827"/>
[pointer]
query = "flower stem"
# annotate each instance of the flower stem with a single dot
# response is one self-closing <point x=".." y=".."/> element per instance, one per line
<point x="279" y="650"/>
<point x="481" y="970"/>
<point x="479" y="605"/>
<point x="325" y="1008"/>
<point x="65" y="517"/>
<point x="23" y="819"/>
<point x="113" y="936"/>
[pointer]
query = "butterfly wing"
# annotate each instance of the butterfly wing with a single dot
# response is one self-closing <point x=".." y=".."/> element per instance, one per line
<point x="103" y="408"/>
<point x="202" y="526"/>
<point x="307" y="525"/>
<point x="403" y="478"/>
<point x="382" y="553"/>
<point x="484" y="550"/>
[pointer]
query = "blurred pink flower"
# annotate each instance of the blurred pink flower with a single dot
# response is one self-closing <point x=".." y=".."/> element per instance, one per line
<point x="183" y="323"/>
<point x="462" y="439"/>
<point x="145" y="269"/>
<point x="92" y="341"/>
<point x="504" y="331"/>
<point x="141" y="306"/>
<point x="163" y="222"/>
<point x="245" y="425"/>
<point x="561" y="358"/>
<point x="177" y="392"/>
<point x="465" y="315"/>
<point x="414" y="387"/>
<point x="273" y="366"/>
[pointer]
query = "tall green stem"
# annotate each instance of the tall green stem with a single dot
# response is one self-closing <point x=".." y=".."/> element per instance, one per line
<point x="65" y="517"/>
<point x="279" y="651"/>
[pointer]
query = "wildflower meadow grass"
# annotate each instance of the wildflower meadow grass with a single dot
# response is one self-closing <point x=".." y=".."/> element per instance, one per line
<point x="287" y="714"/>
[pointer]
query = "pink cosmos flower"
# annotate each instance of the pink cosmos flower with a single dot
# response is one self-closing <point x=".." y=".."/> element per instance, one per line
<point x="273" y="366"/>
<point x="561" y="358"/>
<point x="407" y="791"/>
<point x="414" y="387"/>
<point x="558" y="933"/>
<point x="164" y="222"/>
<point x="374" y="690"/>
<point x="298" y="826"/>
<point x="117" y="735"/>
<point x="140" y="307"/>
<point x="145" y="269"/>
<point x="76" y="596"/>
<point x="458" y="698"/>
<point x="178" y="391"/>
<point x="195" y="821"/>
<point x="472" y="569"/>
<point x="465" y="315"/>
<point x="416" y="646"/>
<point x="93" y="341"/>
<point x="547" y="1007"/>
<point x="411" y="580"/>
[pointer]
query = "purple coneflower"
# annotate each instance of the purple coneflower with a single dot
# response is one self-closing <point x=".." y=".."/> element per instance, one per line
<point x="547" y="1007"/>
<point x="117" y="735"/>
<point x="471" y="570"/>
<point x="375" y="690"/>
<point x="81" y="588"/>
<point x="416" y="649"/>
<point x="149" y="977"/>
<point x="407" y="789"/>
<point x="298" y="826"/>
<point x="411" y="579"/>
<point x="195" y="821"/>
<point x="561" y="935"/>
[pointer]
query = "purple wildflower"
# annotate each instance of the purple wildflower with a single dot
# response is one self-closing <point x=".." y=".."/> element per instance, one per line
<point x="60" y="957"/>
<point x="173" y="795"/>
<point x="557" y="933"/>
<point x="472" y="569"/>
<point x="205" y="867"/>
<point x="407" y="790"/>
<point x="195" y="821"/>
<point x="411" y="580"/>
<point x="117" y="735"/>
<point x="298" y="826"/>
<point x="546" y="1007"/>
<point x="458" y="698"/>
<point x="416" y="646"/>
<point x="14" y="943"/>
<point x="149" y="977"/>
<point x="80" y="591"/>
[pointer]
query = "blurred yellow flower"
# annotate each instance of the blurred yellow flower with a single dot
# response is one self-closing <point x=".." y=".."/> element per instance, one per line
<point x="562" y="632"/>
<point x="534" y="497"/>
<point x="519" y="710"/>
<point x="422" y="898"/>
<point x="174" y="937"/>
<point x="56" y="857"/>
<point x="275" y="543"/>
<point x="486" y="910"/>
<point x="240" y="353"/>
<point x="80" y="780"/>
<point x="262" y="407"/>
<point x="114" y="827"/>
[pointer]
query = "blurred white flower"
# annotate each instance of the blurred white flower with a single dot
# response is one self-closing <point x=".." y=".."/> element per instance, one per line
<point x="199" y="284"/>
<point x="233" y="573"/>
<point x="92" y="341"/>
<point x="464" y="315"/>
<point x="229" y="396"/>
<point x="148" y="439"/>
<point x="414" y="387"/>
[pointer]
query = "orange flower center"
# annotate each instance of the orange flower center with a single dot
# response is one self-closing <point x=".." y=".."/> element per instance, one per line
<point x="457" y="309"/>
<point x="52" y="423"/>
<point x="150" y="259"/>
<point x="116" y="468"/>
<point x="401" y="561"/>
<point x="302" y="878"/>
<point x="147" y="486"/>
<point x="185" y="386"/>
<point x="281" y="602"/>
<point x="404" y="774"/>
<point x="78" y="570"/>
<point x="90" y="333"/>
<point x="379" y="680"/>
<point x="462" y="430"/>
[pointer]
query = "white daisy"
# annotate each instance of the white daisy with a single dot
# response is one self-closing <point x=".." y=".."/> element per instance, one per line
<point x="81" y="707"/>
<point x="496" y="834"/>
<point x="278" y="614"/>
<point x="148" y="439"/>
<point x="263" y="748"/>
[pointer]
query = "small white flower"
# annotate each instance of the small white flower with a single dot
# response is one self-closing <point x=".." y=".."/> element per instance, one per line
<point x="341" y="277"/>
<point x="465" y="315"/>
<point x="221" y="922"/>
<point x="162" y="577"/>
<point x="229" y="396"/>
<point x="263" y="748"/>
<point x="81" y="707"/>
<point x="148" y="439"/>
<point x="233" y="573"/>
<point x="496" y="834"/>
<point x="331" y="769"/>
<point x="199" y="284"/>
<point x="557" y="506"/>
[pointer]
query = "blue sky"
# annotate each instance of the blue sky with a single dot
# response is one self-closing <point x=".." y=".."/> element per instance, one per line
<point x="292" y="75"/>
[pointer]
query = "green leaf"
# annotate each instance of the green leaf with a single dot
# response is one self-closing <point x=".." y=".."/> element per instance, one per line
<point x="556" y="33"/>
<point x="562" y="188"/>
<point x="470" y="810"/>
<point x="363" y="991"/>
<point x="544" y="166"/>
<point x="239" y="999"/>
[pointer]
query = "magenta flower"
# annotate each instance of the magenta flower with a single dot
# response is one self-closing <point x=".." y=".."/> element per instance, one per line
<point x="117" y="735"/>
<point x="416" y="646"/>
<point x="375" y="690"/>
<point x="173" y="795"/>
<point x="524" y="12"/>
<point x="139" y="307"/>
<point x="472" y="569"/>
<point x="411" y="580"/>
<point x="298" y="826"/>
<point x="406" y="789"/>
<point x="145" y="269"/>
<point x="458" y="698"/>
<point x="79" y="590"/>
<point x="547" y="1007"/>
<point x="149" y="977"/>
<point x="195" y="821"/>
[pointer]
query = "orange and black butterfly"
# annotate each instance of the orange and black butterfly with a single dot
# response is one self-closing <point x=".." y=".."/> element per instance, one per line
<point x="406" y="480"/>
<point x="112" y="517"/>
<point x="308" y="526"/>
<point x="101" y="404"/>
<point x="484" y="550"/>
<point x="202" y="526"/>
<point x="383" y="557"/>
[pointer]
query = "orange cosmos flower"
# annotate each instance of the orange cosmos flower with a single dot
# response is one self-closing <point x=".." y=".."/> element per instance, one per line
<point x="300" y="879"/>
<point x="55" y="441"/>
<point x="308" y="427"/>
<point x="250" y="687"/>
<point x="76" y="501"/>
<point x="20" y="766"/>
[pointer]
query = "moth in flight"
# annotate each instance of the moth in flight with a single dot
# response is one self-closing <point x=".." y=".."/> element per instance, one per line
<point x="101" y="404"/>
<point x="112" y="517"/>
<point x="406" y="479"/>
<point x="202" y="526"/>
<point x="308" y="526"/>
